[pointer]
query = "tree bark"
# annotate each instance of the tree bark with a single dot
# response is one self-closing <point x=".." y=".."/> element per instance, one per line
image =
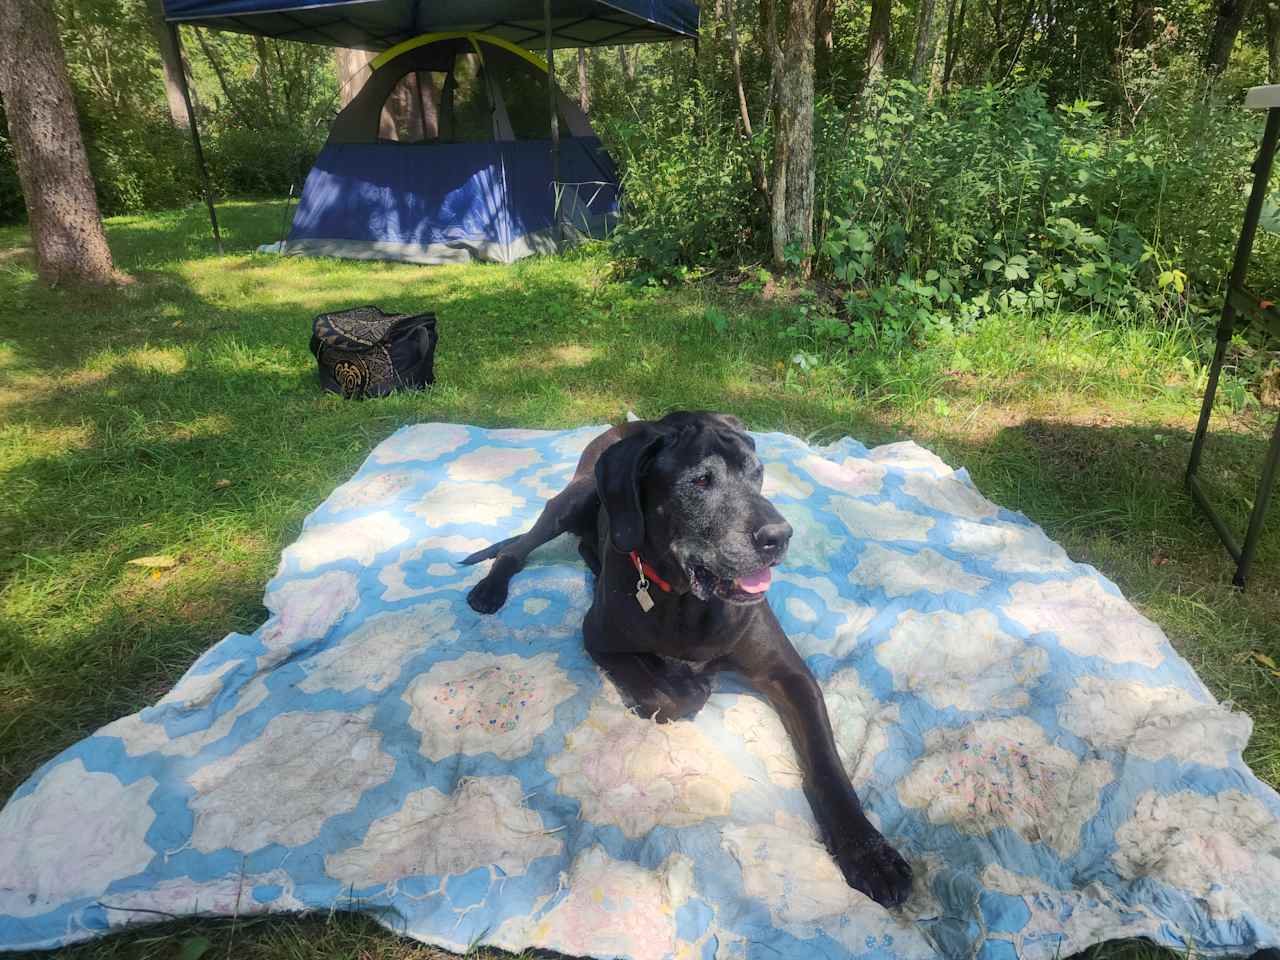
<point x="264" y="73"/>
<point x="926" y="41"/>
<point x="953" y="45"/>
<point x="824" y="40"/>
<point x="628" y="65"/>
<point x="352" y="68"/>
<point x="1226" y="27"/>
<point x="791" y="213"/>
<point x="584" y="91"/>
<point x="52" y="166"/>
<point x="1142" y="24"/>
<point x="878" y="38"/>
<point x="171" y="63"/>
<point x="1271" y="11"/>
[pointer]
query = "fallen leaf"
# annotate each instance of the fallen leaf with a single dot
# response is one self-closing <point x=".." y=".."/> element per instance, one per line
<point x="1263" y="659"/>
<point x="159" y="562"/>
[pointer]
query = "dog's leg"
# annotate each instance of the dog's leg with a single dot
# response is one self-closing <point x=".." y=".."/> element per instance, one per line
<point x="654" y="687"/>
<point x="572" y="510"/>
<point x="772" y="665"/>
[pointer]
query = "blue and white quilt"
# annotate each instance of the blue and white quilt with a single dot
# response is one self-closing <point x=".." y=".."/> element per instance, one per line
<point x="1055" y="772"/>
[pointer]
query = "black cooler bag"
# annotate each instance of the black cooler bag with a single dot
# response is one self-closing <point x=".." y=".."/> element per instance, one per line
<point x="363" y="352"/>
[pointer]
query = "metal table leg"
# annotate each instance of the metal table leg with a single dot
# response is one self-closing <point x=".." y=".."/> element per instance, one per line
<point x="1243" y="556"/>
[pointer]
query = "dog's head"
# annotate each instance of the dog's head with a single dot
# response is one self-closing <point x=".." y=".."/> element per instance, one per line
<point x="684" y="491"/>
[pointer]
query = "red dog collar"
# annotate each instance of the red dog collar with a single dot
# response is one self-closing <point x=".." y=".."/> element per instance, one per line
<point x="648" y="573"/>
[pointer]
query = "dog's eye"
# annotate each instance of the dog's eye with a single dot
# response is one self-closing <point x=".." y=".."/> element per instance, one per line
<point x="703" y="481"/>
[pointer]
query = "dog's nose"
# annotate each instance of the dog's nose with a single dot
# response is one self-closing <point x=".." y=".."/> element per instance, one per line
<point x="772" y="538"/>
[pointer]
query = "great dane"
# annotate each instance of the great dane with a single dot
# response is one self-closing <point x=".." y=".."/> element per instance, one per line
<point x="681" y="540"/>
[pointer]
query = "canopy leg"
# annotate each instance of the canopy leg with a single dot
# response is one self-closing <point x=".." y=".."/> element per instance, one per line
<point x="195" y="136"/>
<point x="555" y="127"/>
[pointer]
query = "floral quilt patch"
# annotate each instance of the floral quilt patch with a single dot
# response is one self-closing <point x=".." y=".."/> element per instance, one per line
<point x="1055" y="772"/>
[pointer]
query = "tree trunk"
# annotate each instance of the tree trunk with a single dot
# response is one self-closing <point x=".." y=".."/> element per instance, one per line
<point x="171" y="63"/>
<point x="352" y="68"/>
<point x="878" y="38"/>
<point x="264" y="73"/>
<point x="1142" y="24"/>
<point x="1226" y="27"/>
<point x="1009" y="55"/>
<point x="953" y="45"/>
<point x="791" y="214"/>
<point x="232" y="104"/>
<point x="1271" y="11"/>
<point x="52" y="166"/>
<point x="824" y="41"/>
<point x="926" y="42"/>
<point x="759" y="175"/>
<point x="628" y="65"/>
<point x="584" y="91"/>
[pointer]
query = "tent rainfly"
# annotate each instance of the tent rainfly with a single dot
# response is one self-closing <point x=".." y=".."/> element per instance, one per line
<point x="474" y="171"/>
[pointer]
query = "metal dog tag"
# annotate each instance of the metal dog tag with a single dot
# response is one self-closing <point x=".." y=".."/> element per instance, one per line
<point x="643" y="598"/>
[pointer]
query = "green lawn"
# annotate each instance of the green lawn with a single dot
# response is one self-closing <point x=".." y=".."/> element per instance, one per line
<point x="180" y="415"/>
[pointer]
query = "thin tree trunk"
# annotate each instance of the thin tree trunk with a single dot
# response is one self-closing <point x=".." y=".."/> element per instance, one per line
<point x="1142" y="24"/>
<point x="792" y="206"/>
<point x="584" y="92"/>
<point x="824" y="41"/>
<point x="232" y="104"/>
<point x="953" y="46"/>
<point x="878" y="39"/>
<point x="264" y="73"/>
<point x="171" y="63"/>
<point x="53" y="168"/>
<point x="628" y="65"/>
<point x="759" y="175"/>
<point x="926" y="41"/>
<point x="1009" y="55"/>
<point x="947" y="40"/>
<point x="1271" y="12"/>
<point x="1226" y="27"/>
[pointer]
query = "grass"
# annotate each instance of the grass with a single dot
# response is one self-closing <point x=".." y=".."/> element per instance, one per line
<point x="179" y="415"/>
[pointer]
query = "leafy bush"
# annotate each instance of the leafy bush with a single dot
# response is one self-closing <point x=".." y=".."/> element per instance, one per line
<point x="934" y="213"/>
<point x="686" y="185"/>
<point x="264" y="162"/>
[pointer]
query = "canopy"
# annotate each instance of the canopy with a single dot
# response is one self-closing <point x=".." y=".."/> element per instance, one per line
<point x="381" y="24"/>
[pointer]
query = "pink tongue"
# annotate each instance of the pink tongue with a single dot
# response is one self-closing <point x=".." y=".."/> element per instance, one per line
<point x="757" y="582"/>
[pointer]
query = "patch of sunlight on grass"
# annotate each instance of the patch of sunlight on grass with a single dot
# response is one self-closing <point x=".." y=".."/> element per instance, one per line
<point x="169" y="360"/>
<point x="29" y="441"/>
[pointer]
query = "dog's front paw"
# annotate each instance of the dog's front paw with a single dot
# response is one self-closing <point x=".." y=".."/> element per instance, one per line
<point x="488" y="595"/>
<point x="871" y="865"/>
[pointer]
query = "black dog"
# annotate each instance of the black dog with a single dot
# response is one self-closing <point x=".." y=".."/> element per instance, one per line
<point x="674" y="526"/>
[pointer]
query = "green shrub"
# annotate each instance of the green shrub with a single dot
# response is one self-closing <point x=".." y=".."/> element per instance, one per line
<point x="687" y="195"/>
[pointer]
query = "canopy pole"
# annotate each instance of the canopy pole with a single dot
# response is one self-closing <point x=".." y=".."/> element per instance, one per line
<point x="195" y="135"/>
<point x="555" y="126"/>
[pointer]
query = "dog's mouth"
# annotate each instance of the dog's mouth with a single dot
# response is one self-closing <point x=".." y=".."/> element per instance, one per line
<point x="744" y="588"/>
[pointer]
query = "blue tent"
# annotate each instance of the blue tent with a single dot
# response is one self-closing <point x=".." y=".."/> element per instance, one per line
<point x="483" y="167"/>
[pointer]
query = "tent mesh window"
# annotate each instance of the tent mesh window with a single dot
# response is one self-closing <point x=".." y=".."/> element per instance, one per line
<point x="411" y="113"/>
<point x="524" y="92"/>
<point x="439" y="106"/>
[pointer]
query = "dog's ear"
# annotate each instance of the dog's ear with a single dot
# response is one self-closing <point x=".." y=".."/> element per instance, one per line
<point x="735" y="426"/>
<point x="618" y="473"/>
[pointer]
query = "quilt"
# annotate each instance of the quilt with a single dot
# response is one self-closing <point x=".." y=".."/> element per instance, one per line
<point x="1056" y="774"/>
